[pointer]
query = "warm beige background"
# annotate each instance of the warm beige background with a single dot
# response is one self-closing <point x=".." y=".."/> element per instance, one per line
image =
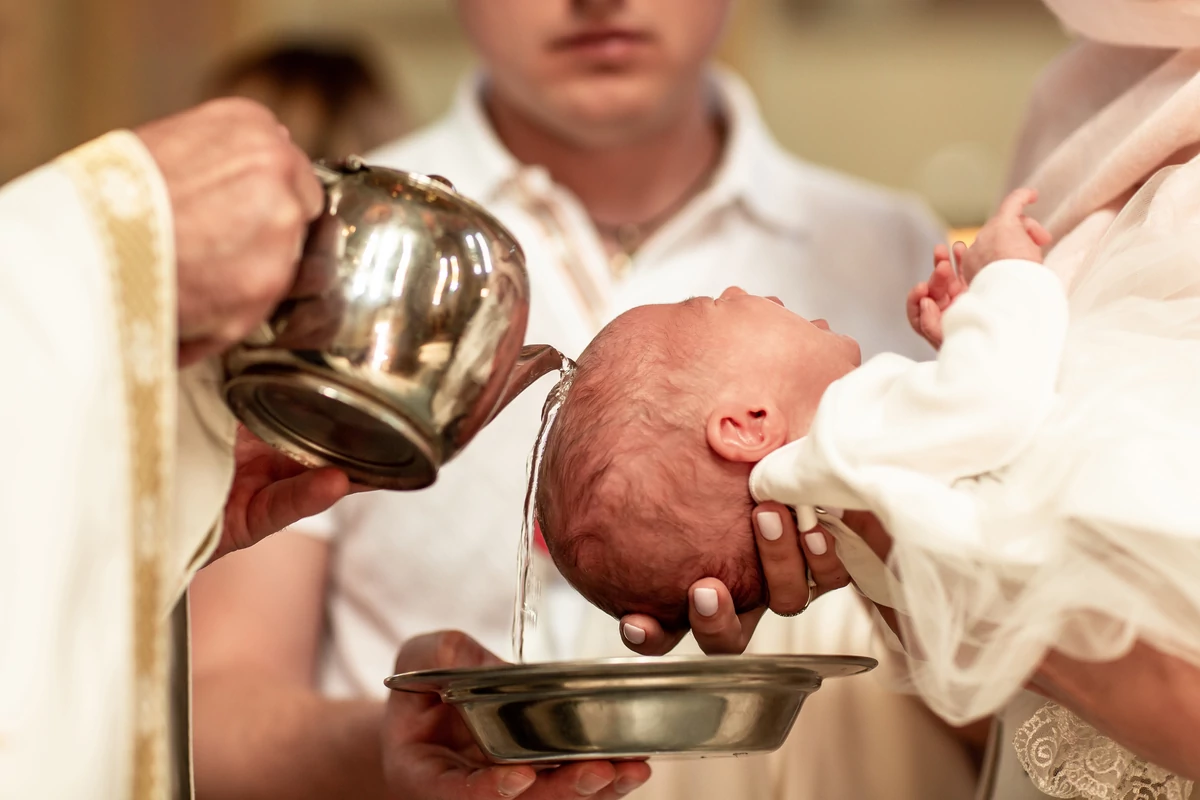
<point x="918" y="94"/>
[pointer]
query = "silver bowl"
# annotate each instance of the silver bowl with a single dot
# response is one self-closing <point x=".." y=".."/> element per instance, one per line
<point x="632" y="708"/>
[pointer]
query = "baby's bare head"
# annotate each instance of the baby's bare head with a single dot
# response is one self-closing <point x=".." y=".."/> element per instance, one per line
<point x="633" y="504"/>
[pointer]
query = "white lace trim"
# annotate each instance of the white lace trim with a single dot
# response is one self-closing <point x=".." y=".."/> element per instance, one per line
<point x="1068" y="758"/>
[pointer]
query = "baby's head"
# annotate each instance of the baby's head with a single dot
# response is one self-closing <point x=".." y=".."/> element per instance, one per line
<point x="643" y="487"/>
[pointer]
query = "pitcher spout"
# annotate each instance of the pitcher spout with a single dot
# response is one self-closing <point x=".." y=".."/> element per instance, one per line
<point x="534" y="361"/>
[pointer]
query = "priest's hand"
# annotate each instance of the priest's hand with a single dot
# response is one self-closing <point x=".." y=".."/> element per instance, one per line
<point x="786" y="553"/>
<point x="270" y="492"/>
<point x="428" y="753"/>
<point x="242" y="195"/>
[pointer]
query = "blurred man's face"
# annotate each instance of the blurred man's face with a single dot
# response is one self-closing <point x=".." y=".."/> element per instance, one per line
<point x="595" y="71"/>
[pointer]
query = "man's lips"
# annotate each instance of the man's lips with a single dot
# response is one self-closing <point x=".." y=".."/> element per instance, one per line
<point x="603" y="41"/>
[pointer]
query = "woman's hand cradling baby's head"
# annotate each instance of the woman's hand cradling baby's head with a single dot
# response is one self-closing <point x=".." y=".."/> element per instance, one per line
<point x="784" y="554"/>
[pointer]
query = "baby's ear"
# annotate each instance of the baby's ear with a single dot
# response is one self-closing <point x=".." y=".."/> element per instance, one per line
<point x="746" y="432"/>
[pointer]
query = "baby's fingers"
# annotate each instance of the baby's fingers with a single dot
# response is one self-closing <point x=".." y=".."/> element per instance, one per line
<point x="930" y="322"/>
<point x="913" y="305"/>
<point x="942" y="283"/>
<point x="1014" y="205"/>
<point x="1041" y="237"/>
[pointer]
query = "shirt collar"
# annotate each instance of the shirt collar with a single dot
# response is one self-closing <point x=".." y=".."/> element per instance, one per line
<point x="749" y="174"/>
<point x="754" y="172"/>
<point x="487" y="165"/>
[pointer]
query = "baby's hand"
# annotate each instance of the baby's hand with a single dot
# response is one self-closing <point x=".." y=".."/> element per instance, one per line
<point x="1009" y="234"/>
<point x="928" y="300"/>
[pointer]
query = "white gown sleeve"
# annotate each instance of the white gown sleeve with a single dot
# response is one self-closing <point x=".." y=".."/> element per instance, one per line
<point x="908" y="431"/>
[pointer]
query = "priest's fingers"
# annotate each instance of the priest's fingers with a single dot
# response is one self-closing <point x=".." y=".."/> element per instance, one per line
<point x="288" y="501"/>
<point x="443" y="650"/>
<point x="315" y="275"/>
<point x="441" y="775"/>
<point x="312" y="323"/>
<point x="596" y="779"/>
<point x="198" y="350"/>
<point x="717" y="626"/>
<point x="309" y="191"/>
<point x="781" y="557"/>
<point x="645" y="636"/>
<point x="317" y="271"/>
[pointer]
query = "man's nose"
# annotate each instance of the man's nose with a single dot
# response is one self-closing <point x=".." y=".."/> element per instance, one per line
<point x="731" y="292"/>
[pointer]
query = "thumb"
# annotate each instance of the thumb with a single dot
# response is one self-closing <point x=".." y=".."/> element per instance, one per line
<point x="441" y="774"/>
<point x="443" y="650"/>
<point x="290" y="500"/>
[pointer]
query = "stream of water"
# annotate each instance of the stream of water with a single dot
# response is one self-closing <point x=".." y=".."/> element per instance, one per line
<point x="528" y="585"/>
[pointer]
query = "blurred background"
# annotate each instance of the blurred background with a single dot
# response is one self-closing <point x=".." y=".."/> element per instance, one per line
<point x="924" y="95"/>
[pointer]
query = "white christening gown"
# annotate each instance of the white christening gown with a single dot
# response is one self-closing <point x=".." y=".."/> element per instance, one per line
<point x="1040" y="480"/>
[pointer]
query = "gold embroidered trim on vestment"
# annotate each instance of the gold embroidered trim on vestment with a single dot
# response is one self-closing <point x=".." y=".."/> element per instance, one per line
<point x="118" y="180"/>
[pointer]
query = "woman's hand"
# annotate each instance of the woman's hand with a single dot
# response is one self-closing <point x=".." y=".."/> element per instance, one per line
<point x="784" y="552"/>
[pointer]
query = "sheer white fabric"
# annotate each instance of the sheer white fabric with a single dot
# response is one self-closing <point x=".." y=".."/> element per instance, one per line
<point x="1171" y="24"/>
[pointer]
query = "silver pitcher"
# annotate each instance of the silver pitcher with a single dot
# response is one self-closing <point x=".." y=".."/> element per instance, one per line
<point x="417" y="346"/>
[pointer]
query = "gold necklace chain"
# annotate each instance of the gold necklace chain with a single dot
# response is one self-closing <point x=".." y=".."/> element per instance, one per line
<point x="629" y="236"/>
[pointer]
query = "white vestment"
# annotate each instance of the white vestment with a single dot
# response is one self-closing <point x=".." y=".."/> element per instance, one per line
<point x="1038" y="480"/>
<point x="116" y="473"/>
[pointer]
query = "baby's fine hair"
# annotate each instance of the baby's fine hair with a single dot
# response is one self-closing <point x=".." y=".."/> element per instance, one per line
<point x="628" y="455"/>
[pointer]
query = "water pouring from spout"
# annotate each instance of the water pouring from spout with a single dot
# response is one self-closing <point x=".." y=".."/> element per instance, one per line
<point x="528" y="588"/>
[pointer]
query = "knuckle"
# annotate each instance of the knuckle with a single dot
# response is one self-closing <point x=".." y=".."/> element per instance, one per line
<point x="287" y="216"/>
<point x="270" y="158"/>
<point x="263" y="286"/>
<point x="788" y="602"/>
<point x="243" y="110"/>
<point x="776" y="555"/>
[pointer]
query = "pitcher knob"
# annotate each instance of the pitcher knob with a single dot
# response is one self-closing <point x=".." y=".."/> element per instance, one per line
<point x="444" y="181"/>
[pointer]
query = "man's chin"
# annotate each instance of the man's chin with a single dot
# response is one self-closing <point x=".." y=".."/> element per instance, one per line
<point x="598" y="113"/>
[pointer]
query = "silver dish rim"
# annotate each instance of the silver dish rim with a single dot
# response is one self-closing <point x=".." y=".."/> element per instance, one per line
<point x="715" y="669"/>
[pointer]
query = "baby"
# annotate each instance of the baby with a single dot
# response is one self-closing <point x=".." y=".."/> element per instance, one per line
<point x="643" y="488"/>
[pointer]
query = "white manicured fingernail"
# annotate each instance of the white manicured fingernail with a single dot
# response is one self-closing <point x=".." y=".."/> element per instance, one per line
<point x="770" y="525"/>
<point x="706" y="601"/>
<point x="816" y="543"/>
<point x="633" y="634"/>
<point x="806" y="518"/>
